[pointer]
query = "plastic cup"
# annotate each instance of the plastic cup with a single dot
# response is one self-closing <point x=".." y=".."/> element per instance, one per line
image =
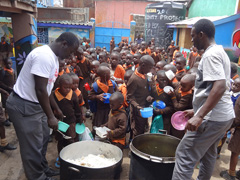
<point x="62" y="126"/>
<point x="167" y="89"/>
<point x="87" y="87"/>
<point x="149" y="75"/>
<point x="170" y="75"/>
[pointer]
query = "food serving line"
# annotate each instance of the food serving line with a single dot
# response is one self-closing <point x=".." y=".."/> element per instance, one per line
<point x="152" y="154"/>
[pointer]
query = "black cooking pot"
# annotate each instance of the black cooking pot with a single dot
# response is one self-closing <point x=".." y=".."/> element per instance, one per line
<point x="153" y="157"/>
<point x="70" y="171"/>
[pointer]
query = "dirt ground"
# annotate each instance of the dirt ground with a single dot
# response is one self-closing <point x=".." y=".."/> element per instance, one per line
<point x="11" y="166"/>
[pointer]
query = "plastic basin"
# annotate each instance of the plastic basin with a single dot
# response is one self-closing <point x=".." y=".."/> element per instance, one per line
<point x="146" y="112"/>
<point x="179" y="121"/>
<point x="62" y="126"/>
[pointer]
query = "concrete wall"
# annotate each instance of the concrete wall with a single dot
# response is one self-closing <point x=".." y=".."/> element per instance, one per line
<point x="201" y="8"/>
<point x="81" y="4"/>
<point x="140" y="23"/>
<point x="49" y="14"/>
<point x="118" y="11"/>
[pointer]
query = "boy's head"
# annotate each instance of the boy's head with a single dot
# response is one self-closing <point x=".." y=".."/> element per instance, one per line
<point x="129" y="59"/>
<point x="170" y="67"/>
<point x="234" y="69"/>
<point x="162" y="79"/>
<point x="134" y="47"/>
<point x="114" y="57"/>
<point x="104" y="73"/>
<point x="79" y="53"/>
<point x="116" y="100"/>
<point x="116" y="49"/>
<point x="95" y="65"/>
<point x="75" y="81"/>
<point x="94" y="56"/>
<point x="160" y="65"/>
<point x="143" y="45"/>
<point x="74" y="62"/>
<point x="172" y="42"/>
<point x="180" y="63"/>
<point x="187" y="82"/>
<point x="113" y="38"/>
<point x="65" y="84"/>
<point x="98" y="49"/>
<point x="194" y="49"/>
<point x="2" y="39"/>
<point x="178" y="54"/>
<point x="8" y="63"/>
<point x="127" y="75"/>
<point x="146" y="64"/>
<point x="102" y="57"/>
<point x="136" y="58"/>
<point x="200" y="52"/>
<point x="236" y="85"/>
<point x="61" y="65"/>
<point x="193" y="71"/>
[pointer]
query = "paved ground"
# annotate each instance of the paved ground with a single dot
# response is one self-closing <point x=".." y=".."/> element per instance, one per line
<point x="11" y="166"/>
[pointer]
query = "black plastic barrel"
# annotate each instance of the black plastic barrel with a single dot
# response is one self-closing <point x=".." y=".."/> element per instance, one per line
<point x="156" y="17"/>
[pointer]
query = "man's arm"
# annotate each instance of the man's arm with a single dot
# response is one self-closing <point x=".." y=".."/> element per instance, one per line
<point x="42" y="95"/>
<point x="215" y="95"/>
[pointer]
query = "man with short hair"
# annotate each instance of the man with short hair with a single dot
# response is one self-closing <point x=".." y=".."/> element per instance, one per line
<point x="212" y="113"/>
<point x="29" y="104"/>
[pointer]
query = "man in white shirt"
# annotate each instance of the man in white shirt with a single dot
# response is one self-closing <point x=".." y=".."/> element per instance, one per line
<point x="212" y="113"/>
<point x="29" y="105"/>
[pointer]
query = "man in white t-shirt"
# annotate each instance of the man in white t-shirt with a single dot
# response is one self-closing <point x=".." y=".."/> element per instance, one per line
<point x="29" y="104"/>
<point x="212" y="113"/>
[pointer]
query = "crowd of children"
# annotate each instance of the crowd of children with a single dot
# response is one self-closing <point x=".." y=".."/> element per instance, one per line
<point x="91" y="73"/>
<point x="125" y="70"/>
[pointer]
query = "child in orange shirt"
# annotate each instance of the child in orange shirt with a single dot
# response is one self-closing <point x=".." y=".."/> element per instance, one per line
<point x="75" y="85"/>
<point x="180" y="65"/>
<point x="182" y="98"/>
<point x="101" y="86"/>
<point x="118" y="70"/>
<point x="123" y="87"/>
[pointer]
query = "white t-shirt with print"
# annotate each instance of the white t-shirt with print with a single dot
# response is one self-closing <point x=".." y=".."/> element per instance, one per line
<point x="41" y="62"/>
<point x="214" y="65"/>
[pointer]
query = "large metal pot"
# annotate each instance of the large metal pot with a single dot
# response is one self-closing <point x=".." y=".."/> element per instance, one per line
<point x="70" y="171"/>
<point x="153" y="157"/>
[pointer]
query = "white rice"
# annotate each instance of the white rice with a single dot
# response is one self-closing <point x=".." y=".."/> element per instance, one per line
<point x="93" y="161"/>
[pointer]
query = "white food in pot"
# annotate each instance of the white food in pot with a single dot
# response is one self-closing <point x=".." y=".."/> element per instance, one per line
<point x="93" y="161"/>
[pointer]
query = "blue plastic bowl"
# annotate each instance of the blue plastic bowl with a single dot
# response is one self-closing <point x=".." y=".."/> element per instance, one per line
<point x="62" y="126"/>
<point x="107" y="97"/>
<point x="146" y="112"/>
<point x="159" y="104"/>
